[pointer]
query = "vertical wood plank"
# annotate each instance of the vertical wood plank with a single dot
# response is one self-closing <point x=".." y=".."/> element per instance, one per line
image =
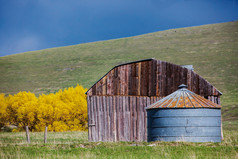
<point x="160" y="69"/>
<point x="209" y="92"/>
<point x="99" y="87"/>
<point x="142" y="80"/>
<point x="99" y="119"/>
<point x="123" y="119"/>
<point x="176" y="78"/>
<point x="111" y="118"/>
<point x="180" y="71"/>
<point x="169" y="84"/>
<point x="137" y="118"/>
<point x="96" y="113"/>
<point x="89" y="119"/>
<point x="108" y="119"/>
<point x="189" y="84"/>
<point x="127" y="119"/>
<point x="167" y="79"/>
<point x="185" y="73"/>
<point x="115" y="81"/>
<point x="154" y="77"/>
<point x="92" y="118"/>
<point x="135" y="79"/>
<point x="131" y="118"/>
<point x="126" y="80"/>
<point x="197" y="83"/>
<point x="201" y="92"/>
<point x="150" y="78"/>
<point x="141" y="119"/>
<point x="104" y="85"/>
<point x="109" y="83"/>
<point x="164" y="88"/>
<point x="114" y="118"/>
<point x="144" y="118"/>
<point x="94" y="90"/>
<point x="148" y="103"/>
<point x="139" y="79"/>
<point x="120" y="127"/>
<point x="134" y="118"/>
<point x="119" y="82"/>
<point x="105" y="116"/>
<point x="102" y="118"/>
<point x="158" y="78"/>
<point x="130" y="80"/>
<point x="118" y="118"/>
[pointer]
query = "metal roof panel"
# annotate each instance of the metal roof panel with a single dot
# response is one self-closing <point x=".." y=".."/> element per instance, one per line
<point x="183" y="98"/>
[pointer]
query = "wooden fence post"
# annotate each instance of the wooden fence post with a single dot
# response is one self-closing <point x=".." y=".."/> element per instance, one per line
<point x="45" y="136"/>
<point x="222" y="137"/>
<point x="27" y="135"/>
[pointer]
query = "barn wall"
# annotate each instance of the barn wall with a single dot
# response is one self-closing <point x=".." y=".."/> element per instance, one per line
<point x="150" y="78"/>
<point x="118" y="118"/>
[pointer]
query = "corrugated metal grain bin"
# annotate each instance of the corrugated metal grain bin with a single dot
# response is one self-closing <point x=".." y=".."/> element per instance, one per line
<point x="184" y="116"/>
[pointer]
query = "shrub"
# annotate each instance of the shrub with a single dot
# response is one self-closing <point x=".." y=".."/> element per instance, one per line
<point x="63" y="111"/>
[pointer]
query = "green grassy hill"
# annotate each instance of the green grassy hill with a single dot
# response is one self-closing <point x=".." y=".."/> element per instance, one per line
<point x="212" y="49"/>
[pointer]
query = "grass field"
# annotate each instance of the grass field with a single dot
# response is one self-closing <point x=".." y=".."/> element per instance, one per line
<point x="75" y="145"/>
<point x="212" y="49"/>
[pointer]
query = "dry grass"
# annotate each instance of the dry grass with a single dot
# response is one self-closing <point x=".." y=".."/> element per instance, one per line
<point x="75" y="145"/>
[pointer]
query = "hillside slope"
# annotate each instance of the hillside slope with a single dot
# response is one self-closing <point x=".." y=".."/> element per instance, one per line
<point x="212" y="49"/>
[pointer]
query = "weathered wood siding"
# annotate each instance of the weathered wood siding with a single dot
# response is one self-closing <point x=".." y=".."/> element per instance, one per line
<point x="118" y="118"/>
<point x="150" y="78"/>
<point x="116" y="102"/>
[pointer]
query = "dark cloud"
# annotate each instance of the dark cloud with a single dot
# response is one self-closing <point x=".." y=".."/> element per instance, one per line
<point x="43" y="24"/>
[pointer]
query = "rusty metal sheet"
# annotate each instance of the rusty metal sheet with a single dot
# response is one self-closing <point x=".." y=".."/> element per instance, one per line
<point x="183" y="98"/>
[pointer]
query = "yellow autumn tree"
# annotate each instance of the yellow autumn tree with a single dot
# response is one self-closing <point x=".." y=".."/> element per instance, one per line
<point x="63" y="111"/>
<point x="3" y="110"/>
<point x="45" y="111"/>
<point x="21" y="109"/>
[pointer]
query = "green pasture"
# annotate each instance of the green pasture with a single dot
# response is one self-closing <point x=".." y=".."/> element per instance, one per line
<point x="75" y="145"/>
<point x="211" y="49"/>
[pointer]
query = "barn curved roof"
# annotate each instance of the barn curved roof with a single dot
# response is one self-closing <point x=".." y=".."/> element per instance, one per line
<point x="116" y="67"/>
<point x="150" y="77"/>
<point x="183" y="98"/>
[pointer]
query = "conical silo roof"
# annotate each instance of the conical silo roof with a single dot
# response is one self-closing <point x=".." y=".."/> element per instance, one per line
<point x="183" y="98"/>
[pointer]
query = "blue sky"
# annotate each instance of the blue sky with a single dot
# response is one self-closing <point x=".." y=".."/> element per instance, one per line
<point x="27" y="25"/>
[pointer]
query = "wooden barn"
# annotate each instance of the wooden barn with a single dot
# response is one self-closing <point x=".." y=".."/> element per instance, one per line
<point x="117" y="101"/>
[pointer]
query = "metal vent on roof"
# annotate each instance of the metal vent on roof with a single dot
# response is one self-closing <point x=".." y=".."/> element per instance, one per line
<point x="183" y="98"/>
<point x="190" y="67"/>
